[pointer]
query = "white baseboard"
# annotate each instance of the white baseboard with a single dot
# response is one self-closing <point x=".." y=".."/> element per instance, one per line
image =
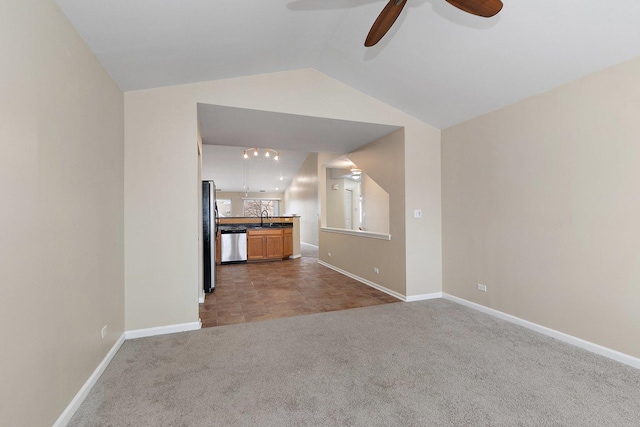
<point x="395" y="294"/>
<point x="71" y="409"/>
<point x="570" y="339"/>
<point x="161" y="330"/>
<point x="201" y="299"/>
<point x="295" y="256"/>
<point x="365" y="281"/>
<point x="423" y="297"/>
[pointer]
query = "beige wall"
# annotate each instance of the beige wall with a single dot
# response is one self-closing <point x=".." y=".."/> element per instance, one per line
<point x="161" y="211"/>
<point x="301" y="198"/>
<point x="383" y="161"/>
<point x="375" y="205"/>
<point x="61" y="213"/>
<point x="541" y="204"/>
<point x="160" y="168"/>
<point x="335" y="188"/>
<point x="199" y="180"/>
<point x="423" y="191"/>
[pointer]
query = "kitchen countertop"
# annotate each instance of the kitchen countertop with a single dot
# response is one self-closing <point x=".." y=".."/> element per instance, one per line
<point x="267" y="225"/>
<point x="255" y="221"/>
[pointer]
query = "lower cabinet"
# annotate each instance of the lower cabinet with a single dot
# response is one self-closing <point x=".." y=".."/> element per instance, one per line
<point x="255" y="246"/>
<point x="218" y="249"/>
<point x="274" y="246"/>
<point x="287" y="242"/>
<point x="264" y="244"/>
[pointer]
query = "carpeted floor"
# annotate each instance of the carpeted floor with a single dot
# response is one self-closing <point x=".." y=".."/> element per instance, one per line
<point x="430" y="363"/>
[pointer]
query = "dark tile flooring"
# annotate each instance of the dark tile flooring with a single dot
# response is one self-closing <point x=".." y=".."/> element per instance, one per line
<point x="269" y="290"/>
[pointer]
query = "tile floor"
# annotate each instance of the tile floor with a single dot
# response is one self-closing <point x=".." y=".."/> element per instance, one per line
<point x="269" y="290"/>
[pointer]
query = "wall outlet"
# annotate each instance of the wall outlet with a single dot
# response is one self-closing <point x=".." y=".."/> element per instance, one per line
<point x="482" y="288"/>
<point x="329" y="253"/>
<point x="417" y="213"/>
<point x="376" y="270"/>
<point x="103" y="332"/>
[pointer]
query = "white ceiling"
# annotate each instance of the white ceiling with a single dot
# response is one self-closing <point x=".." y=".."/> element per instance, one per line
<point x="231" y="172"/>
<point x="437" y="63"/>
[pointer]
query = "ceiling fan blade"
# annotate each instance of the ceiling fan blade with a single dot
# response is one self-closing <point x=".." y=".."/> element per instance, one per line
<point x="384" y="21"/>
<point x="485" y="8"/>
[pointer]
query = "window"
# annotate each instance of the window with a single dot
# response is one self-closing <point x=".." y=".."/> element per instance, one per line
<point x="253" y="207"/>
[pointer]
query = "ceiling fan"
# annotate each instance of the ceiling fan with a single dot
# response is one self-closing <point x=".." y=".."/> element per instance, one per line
<point x="484" y="8"/>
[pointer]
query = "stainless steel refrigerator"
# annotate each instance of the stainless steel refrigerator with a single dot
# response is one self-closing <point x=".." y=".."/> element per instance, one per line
<point x="209" y="232"/>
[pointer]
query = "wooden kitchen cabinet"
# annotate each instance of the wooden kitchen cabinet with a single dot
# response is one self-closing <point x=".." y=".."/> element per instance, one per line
<point x="274" y="246"/>
<point x="255" y="246"/>
<point x="218" y="248"/>
<point x="287" y="242"/>
<point x="264" y="244"/>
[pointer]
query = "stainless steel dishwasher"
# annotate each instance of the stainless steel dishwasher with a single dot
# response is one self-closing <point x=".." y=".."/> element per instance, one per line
<point x="233" y="245"/>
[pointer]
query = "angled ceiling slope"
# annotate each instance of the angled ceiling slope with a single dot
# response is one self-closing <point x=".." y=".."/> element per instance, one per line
<point x="437" y="63"/>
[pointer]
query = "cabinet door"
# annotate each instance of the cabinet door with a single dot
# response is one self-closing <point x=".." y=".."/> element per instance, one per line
<point x="287" y="242"/>
<point x="274" y="245"/>
<point x="256" y="248"/>
<point x="218" y="248"/>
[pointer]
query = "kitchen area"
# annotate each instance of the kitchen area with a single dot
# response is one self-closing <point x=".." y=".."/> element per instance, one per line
<point x="242" y="239"/>
<point x="259" y="269"/>
<point x="261" y="256"/>
<point x="252" y="239"/>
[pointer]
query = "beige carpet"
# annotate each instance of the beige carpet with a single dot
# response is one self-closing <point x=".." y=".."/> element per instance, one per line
<point x="431" y="363"/>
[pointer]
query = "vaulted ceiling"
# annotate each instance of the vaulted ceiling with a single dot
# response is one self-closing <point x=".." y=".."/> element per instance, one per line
<point x="437" y="63"/>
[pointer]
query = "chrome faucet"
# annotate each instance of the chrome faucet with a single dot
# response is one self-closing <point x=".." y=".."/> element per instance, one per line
<point x="266" y="212"/>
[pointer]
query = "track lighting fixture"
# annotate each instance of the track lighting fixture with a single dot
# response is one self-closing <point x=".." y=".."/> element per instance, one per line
<point x="268" y="152"/>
